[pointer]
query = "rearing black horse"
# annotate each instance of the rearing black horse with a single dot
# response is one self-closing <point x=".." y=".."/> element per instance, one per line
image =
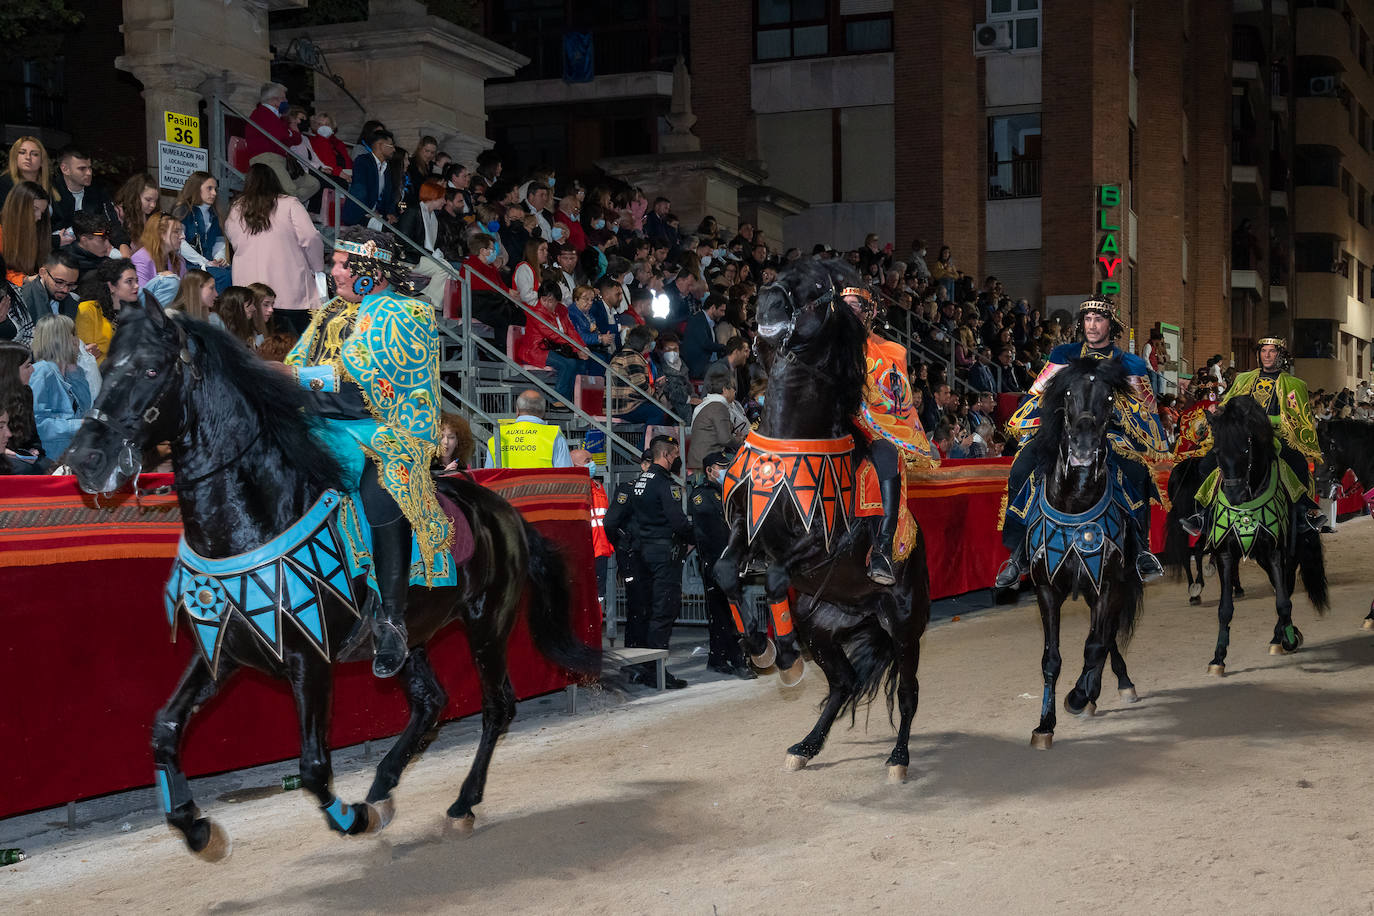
<point x="857" y="631"/>
<point x="247" y="469"/>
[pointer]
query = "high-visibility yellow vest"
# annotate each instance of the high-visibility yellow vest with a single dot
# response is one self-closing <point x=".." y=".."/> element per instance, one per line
<point x="525" y="444"/>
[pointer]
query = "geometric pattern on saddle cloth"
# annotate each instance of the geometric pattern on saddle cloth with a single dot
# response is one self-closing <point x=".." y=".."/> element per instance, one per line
<point x="326" y="553"/>
<point x="814" y="475"/>
<point x="1088" y="538"/>
<point x="1267" y="512"/>
<point x="817" y="476"/>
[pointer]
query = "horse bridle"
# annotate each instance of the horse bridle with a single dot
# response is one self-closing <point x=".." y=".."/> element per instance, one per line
<point x="826" y="299"/>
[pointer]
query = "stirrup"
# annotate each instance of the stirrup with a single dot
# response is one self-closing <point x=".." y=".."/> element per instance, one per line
<point x="1009" y="576"/>
<point x="1147" y="567"/>
<point x="880" y="569"/>
<point x="1192" y="524"/>
<point x="390" y="650"/>
<point x="1317" y="520"/>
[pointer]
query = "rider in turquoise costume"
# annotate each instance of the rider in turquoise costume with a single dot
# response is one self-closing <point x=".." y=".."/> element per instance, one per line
<point x="1136" y="435"/>
<point x="371" y="356"/>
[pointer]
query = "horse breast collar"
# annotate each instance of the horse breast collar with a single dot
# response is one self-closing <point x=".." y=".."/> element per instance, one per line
<point x="813" y="473"/>
<point x="1263" y="513"/>
<point x="287" y="578"/>
<point x="1090" y="536"/>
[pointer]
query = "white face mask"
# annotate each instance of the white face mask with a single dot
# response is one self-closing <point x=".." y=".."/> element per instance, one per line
<point x="325" y="131"/>
<point x="922" y="252"/>
<point x="673" y="358"/>
<point x="718" y="475"/>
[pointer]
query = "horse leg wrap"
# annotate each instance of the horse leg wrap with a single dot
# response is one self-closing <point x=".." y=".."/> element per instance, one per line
<point x="739" y="621"/>
<point x="782" y="617"/>
<point x="341" y="816"/>
<point x="173" y="790"/>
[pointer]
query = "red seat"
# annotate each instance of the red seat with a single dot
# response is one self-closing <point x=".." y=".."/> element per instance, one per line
<point x="589" y="395"/>
<point x="238" y="154"/>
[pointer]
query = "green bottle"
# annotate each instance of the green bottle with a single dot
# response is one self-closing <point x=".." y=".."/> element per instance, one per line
<point x="290" y="782"/>
<point x="11" y="856"/>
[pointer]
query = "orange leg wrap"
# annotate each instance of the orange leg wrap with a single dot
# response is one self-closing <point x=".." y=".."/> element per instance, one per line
<point x="782" y="617"/>
<point x="739" y="621"/>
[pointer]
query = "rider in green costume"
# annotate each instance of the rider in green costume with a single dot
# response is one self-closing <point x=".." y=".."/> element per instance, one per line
<point x="1284" y="398"/>
<point x="371" y="356"/>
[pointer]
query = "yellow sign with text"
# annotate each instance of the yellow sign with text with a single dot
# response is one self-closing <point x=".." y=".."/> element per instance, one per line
<point x="183" y="129"/>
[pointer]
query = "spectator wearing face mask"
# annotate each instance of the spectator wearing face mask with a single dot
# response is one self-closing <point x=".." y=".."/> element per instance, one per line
<point x="631" y="372"/>
<point x="269" y="122"/>
<point x="673" y="385"/>
<point x="329" y="149"/>
<point x="568" y="218"/>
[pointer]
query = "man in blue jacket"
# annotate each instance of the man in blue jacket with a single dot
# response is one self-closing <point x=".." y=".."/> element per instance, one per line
<point x="699" y="345"/>
<point x="373" y="183"/>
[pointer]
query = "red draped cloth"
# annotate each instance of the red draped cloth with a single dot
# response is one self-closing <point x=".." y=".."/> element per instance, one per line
<point x="87" y="658"/>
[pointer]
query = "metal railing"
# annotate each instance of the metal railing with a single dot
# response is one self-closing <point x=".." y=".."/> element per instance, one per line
<point x="466" y="339"/>
<point x="1009" y="179"/>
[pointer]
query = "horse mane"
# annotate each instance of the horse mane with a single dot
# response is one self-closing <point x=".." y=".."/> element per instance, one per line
<point x="1236" y="421"/>
<point x="282" y="408"/>
<point x="1043" y="448"/>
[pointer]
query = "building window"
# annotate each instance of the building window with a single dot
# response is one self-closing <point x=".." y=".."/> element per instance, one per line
<point x="1014" y="156"/>
<point x="869" y="34"/>
<point x="1361" y="211"/>
<point x="791" y="28"/>
<point x="1024" y="16"/>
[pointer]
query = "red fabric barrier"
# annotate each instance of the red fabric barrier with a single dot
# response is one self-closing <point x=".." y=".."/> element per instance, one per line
<point x="86" y="660"/>
<point x="958" y="506"/>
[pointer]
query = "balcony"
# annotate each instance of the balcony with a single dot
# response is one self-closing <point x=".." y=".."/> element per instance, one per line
<point x="1321" y="295"/>
<point x="1278" y="200"/>
<point x="1321" y="210"/>
<point x="1247" y="185"/>
<point x="1322" y="121"/>
<point x="1278" y="295"/>
<point x="1248" y="281"/>
<point x="1322" y="33"/>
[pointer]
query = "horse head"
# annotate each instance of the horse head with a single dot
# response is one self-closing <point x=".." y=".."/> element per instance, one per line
<point x="140" y="400"/>
<point x="1077" y="404"/>
<point x="796" y="308"/>
<point x="1243" y="441"/>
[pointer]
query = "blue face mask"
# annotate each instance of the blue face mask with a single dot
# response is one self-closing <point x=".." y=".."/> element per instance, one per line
<point x="495" y="252"/>
<point x="559" y="233"/>
<point x="598" y="224"/>
<point x="616" y="228"/>
<point x="494" y="226"/>
<point x="551" y="181"/>
<point x="283" y="107"/>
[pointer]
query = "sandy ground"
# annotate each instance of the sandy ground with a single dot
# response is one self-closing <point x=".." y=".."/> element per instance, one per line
<point x="1249" y="793"/>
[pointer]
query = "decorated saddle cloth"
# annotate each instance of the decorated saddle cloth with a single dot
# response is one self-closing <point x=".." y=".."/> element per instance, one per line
<point x="326" y="554"/>
<point x="818" y="478"/>
<point x="1088" y="538"/>
<point x="1267" y="512"/>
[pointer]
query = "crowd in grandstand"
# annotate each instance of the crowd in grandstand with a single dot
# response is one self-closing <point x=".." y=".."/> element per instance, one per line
<point x="570" y="278"/>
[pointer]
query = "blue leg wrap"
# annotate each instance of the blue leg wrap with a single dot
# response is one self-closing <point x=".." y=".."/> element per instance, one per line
<point x="342" y="815"/>
<point x="172" y="788"/>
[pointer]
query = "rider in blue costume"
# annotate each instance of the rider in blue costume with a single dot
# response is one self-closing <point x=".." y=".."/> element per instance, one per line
<point x="371" y="356"/>
<point x="1136" y="435"/>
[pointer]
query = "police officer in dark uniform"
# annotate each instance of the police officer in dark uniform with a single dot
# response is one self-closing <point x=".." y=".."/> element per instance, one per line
<point x="664" y="533"/>
<point x="707" y="505"/>
<point x="623" y="534"/>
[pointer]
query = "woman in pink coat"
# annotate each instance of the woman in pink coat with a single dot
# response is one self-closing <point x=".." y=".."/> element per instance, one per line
<point x="275" y="243"/>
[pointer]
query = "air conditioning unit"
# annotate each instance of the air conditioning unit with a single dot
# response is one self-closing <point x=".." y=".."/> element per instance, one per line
<point x="1323" y="85"/>
<point x="991" y="36"/>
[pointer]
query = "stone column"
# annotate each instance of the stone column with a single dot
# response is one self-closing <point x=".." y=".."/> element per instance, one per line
<point x="167" y="86"/>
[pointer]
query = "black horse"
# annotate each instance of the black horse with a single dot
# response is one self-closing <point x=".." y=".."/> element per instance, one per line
<point x="858" y="632"/>
<point x="1184" y="479"/>
<point x="246" y="469"/>
<point x="1080" y="537"/>
<point x="1347" y="445"/>
<point x="1252" y="518"/>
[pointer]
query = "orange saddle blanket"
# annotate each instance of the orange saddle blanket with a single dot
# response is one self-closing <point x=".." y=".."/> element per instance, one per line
<point x="818" y="477"/>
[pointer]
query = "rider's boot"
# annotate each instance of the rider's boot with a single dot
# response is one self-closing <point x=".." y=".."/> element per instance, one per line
<point x="1147" y="565"/>
<point x="1311" y="513"/>
<point x="880" y="568"/>
<point x="1009" y="576"/>
<point x="391" y="555"/>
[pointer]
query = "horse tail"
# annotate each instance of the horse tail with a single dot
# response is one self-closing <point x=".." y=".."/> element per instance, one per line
<point x="1177" y="551"/>
<point x="549" y="607"/>
<point x="872" y="654"/>
<point x="1313" y="567"/>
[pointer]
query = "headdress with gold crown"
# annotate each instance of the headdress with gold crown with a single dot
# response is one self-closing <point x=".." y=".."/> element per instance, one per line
<point x="374" y="254"/>
<point x="1272" y="342"/>
<point x="1103" y="306"/>
<point x="870" y="304"/>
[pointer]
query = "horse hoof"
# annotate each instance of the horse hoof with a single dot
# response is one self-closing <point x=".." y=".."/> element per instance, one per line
<point x="1089" y="709"/>
<point x="1237" y="592"/>
<point x="1042" y="741"/>
<point x="1217" y="670"/>
<point x="219" y="846"/>
<point x="460" y="827"/>
<point x="765" y="661"/>
<point x="1195" y="600"/>
<point x="1368" y="624"/>
<point x="1195" y="591"/>
<point x="793" y="676"/>
<point x="1278" y="649"/>
<point x="896" y="774"/>
<point x="1128" y="695"/>
<point x="797" y="762"/>
<point x="379" y="814"/>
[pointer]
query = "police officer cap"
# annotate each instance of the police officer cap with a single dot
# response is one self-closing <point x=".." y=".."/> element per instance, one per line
<point x="714" y="458"/>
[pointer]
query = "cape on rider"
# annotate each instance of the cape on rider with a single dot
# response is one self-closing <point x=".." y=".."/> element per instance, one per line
<point x="371" y="356"/>
<point x="888" y="421"/>
<point x="1284" y="398"/>
<point x="1136" y="434"/>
